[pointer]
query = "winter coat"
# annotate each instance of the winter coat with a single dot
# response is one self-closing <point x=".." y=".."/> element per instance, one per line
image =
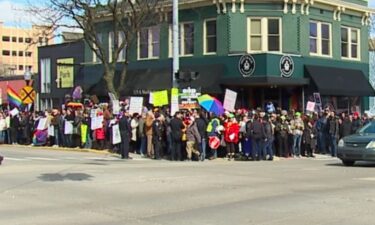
<point x="231" y="132"/>
<point x="192" y="133"/>
<point x="148" y="127"/>
<point x="267" y="130"/>
<point x="202" y="127"/>
<point x="356" y="124"/>
<point x="177" y="126"/>
<point x="257" y="130"/>
<point x="346" y="128"/>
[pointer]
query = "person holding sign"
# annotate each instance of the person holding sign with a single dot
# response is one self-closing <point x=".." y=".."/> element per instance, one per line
<point x="125" y="130"/>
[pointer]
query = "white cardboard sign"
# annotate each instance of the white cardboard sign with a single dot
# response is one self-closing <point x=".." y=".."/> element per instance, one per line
<point x="230" y="100"/>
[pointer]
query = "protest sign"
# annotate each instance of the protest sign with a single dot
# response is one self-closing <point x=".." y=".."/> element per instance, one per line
<point x="136" y="105"/>
<point x="84" y="133"/>
<point x="160" y="98"/>
<point x="51" y="131"/>
<point x="230" y="100"/>
<point x="310" y="106"/>
<point x="96" y="122"/>
<point x="151" y="98"/>
<point x="14" y="112"/>
<point x="116" y="135"/>
<point x="68" y="127"/>
<point x="174" y="101"/>
<point x="42" y="124"/>
<point x="116" y="107"/>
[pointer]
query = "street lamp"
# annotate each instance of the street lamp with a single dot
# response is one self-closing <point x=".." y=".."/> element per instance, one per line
<point x="27" y="76"/>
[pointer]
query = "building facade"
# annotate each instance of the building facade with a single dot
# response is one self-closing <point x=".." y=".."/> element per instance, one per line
<point x="19" y="48"/>
<point x="60" y="71"/>
<point x="275" y="50"/>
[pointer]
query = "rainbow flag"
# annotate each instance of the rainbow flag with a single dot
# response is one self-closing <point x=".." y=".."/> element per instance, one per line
<point x="13" y="97"/>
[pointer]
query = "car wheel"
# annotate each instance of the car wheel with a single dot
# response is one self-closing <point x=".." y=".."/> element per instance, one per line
<point x="348" y="162"/>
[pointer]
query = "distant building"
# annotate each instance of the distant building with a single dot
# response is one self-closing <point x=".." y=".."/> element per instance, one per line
<point x="60" y="71"/>
<point x="71" y="36"/>
<point x="280" y="51"/>
<point x="19" y="48"/>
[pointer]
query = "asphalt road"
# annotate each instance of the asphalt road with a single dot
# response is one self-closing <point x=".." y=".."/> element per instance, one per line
<point x="57" y="187"/>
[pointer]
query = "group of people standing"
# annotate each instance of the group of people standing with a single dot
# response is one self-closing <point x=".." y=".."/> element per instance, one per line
<point x="186" y="135"/>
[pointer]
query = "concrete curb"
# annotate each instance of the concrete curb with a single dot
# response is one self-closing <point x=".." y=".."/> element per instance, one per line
<point x="46" y="148"/>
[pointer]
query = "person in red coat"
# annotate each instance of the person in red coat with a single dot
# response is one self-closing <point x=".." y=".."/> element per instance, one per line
<point x="231" y="135"/>
<point x="100" y="135"/>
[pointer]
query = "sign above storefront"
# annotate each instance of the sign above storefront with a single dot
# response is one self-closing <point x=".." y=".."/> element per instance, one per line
<point x="246" y="65"/>
<point x="286" y="66"/>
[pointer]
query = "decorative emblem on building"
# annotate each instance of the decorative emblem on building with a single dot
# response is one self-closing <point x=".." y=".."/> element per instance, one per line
<point x="246" y="65"/>
<point x="286" y="66"/>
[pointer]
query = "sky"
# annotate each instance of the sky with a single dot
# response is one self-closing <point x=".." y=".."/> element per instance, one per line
<point x="12" y="16"/>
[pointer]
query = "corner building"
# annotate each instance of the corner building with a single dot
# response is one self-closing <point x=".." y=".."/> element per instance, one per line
<point x="267" y="50"/>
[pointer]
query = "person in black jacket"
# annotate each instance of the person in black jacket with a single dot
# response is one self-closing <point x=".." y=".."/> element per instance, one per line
<point x="268" y="138"/>
<point x="346" y="126"/>
<point x="202" y="122"/>
<point x="125" y="131"/>
<point x="257" y="135"/>
<point x="333" y="131"/>
<point x="177" y="126"/>
<point x="157" y="135"/>
<point x="14" y="128"/>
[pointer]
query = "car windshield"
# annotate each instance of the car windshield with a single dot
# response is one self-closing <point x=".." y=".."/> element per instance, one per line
<point x="368" y="128"/>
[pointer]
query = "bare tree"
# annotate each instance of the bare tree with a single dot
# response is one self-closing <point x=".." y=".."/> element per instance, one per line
<point x="125" y="19"/>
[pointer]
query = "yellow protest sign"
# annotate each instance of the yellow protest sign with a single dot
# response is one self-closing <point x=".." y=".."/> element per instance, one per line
<point x="160" y="98"/>
<point x="84" y="133"/>
<point x="65" y="73"/>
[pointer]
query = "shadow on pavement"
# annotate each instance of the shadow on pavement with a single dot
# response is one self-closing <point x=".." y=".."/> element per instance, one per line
<point x="52" y="177"/>
<point x="357" y="164"/>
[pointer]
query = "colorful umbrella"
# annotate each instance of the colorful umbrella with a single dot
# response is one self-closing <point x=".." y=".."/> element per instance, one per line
<point x="211" y="104"/>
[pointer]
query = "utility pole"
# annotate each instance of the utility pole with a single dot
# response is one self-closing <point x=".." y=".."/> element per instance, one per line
<point x="176" y="52"/>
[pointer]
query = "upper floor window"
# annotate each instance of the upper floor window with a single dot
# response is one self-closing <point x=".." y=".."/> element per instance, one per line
<point x="27" y="40"/>
<point x="264" y="35"/>
<point x="320" y="38"/>
<point x="99" y="39"/>
<point x="149" y="42"/>
<point x="111" y="42"/>
<point x="209" y="36"/>
<point x="6" y="38"/>
<point x="20" y="39"/>
<point x="185" y="38"/>
<point x="45" y="75"/>
<point x="6" y="53"/>
<point x="29" y="54"/>
<point x="14" y="39"/>
<point x="349" y="42"/>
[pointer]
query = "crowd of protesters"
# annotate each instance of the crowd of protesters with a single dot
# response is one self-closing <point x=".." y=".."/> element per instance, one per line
<point x="244" y="134"/>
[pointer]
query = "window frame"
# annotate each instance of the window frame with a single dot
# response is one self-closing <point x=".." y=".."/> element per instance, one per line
<point x="319" y="39"/>
<point x="181" y="31"/>
<point x="111" y="41"/>
<point x="350" y="43"/>
<point x="205" y="37"/>
<point x="264" y="34"/>
<point x="95" y="58"/>
<point x="150" y="43"/>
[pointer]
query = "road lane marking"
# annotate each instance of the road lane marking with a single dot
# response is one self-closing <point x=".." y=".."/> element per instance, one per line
<point x="14" y="159"/>
<point x="41" y="158"/>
